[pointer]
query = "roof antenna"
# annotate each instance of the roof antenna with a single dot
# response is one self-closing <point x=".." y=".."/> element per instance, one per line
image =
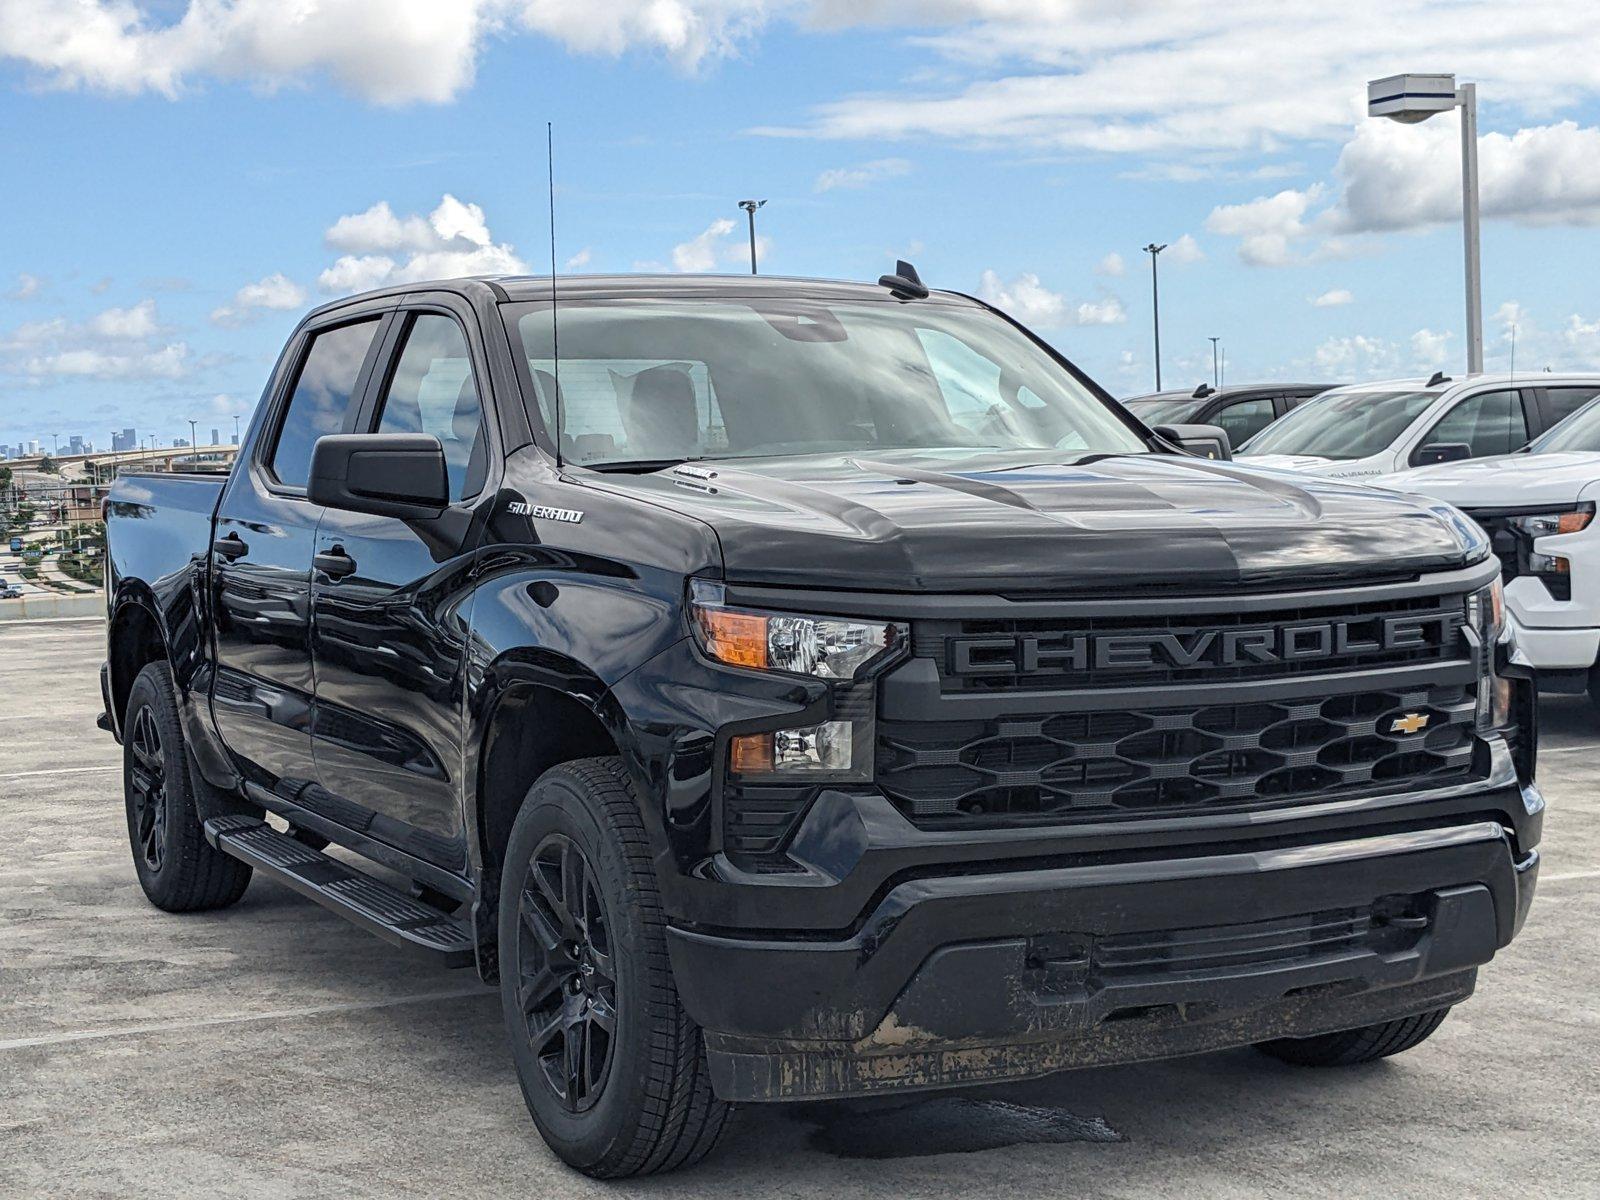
<point x="555" y="337"/>
<point x="905" y="283"/>
<point x="1436" y="379"/>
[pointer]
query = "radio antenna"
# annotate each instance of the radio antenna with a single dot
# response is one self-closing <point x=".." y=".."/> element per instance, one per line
<point x="555" y="337"/>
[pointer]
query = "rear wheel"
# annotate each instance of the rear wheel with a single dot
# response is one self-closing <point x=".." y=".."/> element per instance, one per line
<point x="1351" y="1046"/>
<point x="611" y="1067"/>
<point x="178" y="870"/>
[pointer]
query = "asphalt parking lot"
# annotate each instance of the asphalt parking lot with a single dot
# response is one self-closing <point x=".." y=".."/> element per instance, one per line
<point x="273" y="1050"/>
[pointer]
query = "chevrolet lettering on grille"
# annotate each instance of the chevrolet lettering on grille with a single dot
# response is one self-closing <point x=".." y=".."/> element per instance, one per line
<point x="1301" y="642"/>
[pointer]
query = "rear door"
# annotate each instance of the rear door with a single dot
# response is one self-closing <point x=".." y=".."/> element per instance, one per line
<point x="1559" y="401"/>
<point x="390" y="601"/>
<point x="262" y="547"/>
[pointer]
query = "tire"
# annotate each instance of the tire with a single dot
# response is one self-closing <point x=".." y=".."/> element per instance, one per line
<point x="178" y="870"/>
<point x="585" y="983"/>
<point x="1351" y="1046"/>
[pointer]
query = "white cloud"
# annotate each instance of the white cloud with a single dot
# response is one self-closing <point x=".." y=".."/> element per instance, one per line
<point x="1430" y="349"/>
<point x="719" y="243"/>
<point x="1409" y="177"/>
<point x="1333" y="298"/>
<point x="579" y="260"/>
<point x="1028" y="300"/>
<point x="386" y="51"/>
<point x="1112" y="264"/>
<point x="1185" y="81"/>
<point x="27" y="287"/>
<point x="114" y="343"/>
<point x="167" y="362"/>
<point x="276" y="292"/>
<point x="862" y="176"/>
<point x="1185" y="251"/>
<point x="382" y="248"/>
<point x="1267" y="227"/>
<point x="134" y="323"/>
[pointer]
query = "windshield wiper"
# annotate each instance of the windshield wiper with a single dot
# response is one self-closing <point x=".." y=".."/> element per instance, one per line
<point x="637" y="466"/>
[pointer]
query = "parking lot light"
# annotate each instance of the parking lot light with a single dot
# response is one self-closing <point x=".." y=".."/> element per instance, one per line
<point x="1411" y="99"/>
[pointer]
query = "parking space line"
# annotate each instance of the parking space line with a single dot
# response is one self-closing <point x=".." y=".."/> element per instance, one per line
<point x="316" y="1010"/>
<point x="1564" y="749"/>
<point x="1595" y="874"/>
<point x="60" y="771"/>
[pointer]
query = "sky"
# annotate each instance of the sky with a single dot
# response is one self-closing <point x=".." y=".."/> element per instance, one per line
<point x="182" y="179"/>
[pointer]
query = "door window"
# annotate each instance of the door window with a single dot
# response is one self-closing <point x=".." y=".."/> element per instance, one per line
<point x="1489" y="423"/>
<point x="432" y="391"/>
<point x="1562" y="402"/>
<point x="1243" y="419"/>
<point x="321" y="399"/>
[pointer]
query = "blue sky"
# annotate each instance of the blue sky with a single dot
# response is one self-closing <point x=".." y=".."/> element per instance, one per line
<point x="184" y="179"/>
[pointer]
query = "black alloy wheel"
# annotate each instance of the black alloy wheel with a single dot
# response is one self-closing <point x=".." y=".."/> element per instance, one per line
<point x="566" y="979"/>
<point x="147" y="790"/>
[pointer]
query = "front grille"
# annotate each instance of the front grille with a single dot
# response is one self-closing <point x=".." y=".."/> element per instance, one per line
<point x="1003" y="655"/>
<point x="1159" y="760"/>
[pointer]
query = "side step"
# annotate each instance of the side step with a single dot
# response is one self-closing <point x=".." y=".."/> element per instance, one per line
<point x="370" y="903"/>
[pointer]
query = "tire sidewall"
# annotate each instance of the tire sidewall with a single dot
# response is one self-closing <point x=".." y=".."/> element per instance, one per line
<point x="150" y="690"/>
<point x="556" y="804"/>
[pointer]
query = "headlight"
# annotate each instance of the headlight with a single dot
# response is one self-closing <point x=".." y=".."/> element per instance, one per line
<point x="824" y="647"/>
<point x="1545" y="524"/>
<point x="1486" y="614"/>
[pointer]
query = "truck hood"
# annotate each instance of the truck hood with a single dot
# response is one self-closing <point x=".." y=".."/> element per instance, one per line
<point x="1507" y="481"/>
<point x="1010" y="522"/>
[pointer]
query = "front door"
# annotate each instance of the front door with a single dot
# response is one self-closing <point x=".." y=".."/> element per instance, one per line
<point x="261" y="560"/>
<point x="390" y="608"/>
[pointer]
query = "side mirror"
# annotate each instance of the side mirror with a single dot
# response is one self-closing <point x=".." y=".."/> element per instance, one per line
<point x="1202" y="441"/>
<point x="1441" y="452"/>
<point x="386" y="474"/>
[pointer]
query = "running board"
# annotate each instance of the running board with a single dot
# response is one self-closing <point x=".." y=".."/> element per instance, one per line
<point x="370" y="903"/>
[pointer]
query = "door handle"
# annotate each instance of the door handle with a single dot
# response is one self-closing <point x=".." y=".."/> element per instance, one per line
<point x="231" y="547"/>
<point x="335" y="563"/>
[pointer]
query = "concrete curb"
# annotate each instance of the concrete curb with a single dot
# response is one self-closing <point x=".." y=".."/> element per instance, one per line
<point x="34" y="607"/>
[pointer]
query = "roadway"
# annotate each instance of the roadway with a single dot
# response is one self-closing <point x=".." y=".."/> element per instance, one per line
<point x="274" y="1051"/>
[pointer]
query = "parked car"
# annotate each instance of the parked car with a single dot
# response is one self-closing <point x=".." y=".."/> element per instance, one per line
<point x="799" y="690"/>
<point x="16" y="545"/>
<point x="1240" y="410"/>
<point x="1373" y="429"/>
<point x="1538" y="507"/>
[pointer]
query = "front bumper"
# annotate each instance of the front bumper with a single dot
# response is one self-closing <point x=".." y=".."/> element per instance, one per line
<point x="1553" y="649"/>
<point x="969" y="978"/>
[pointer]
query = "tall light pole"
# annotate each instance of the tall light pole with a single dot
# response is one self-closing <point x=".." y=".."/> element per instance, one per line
<point x="1216" y="371"/>
<point x="235" y="429"/>
<point x="1411" y="99"/>
<point x="192" y="435"/>
<point x="750" y="207"/>
<point x="1155" y="304"/>
<point x="56" y="437"/>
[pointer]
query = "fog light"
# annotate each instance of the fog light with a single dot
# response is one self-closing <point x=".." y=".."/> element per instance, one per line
<point x="815" y="749"/>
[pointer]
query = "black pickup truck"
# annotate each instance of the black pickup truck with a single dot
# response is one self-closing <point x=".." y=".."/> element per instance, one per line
<point x="788" y="690"/>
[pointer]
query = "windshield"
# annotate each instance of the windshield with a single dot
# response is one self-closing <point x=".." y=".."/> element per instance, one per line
<point x="1163" y="410"/>
<point x="1343" y="424"/>
<point x="666" y="380"/>
<point x="1580" y="431"/>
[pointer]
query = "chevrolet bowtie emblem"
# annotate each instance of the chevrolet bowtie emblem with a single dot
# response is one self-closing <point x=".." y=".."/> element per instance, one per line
<point x="1410" y="723"/>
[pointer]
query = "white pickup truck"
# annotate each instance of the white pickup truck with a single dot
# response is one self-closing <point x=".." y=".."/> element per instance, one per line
<point x="1538" y="506"/>
<point x="1373" y="429"/>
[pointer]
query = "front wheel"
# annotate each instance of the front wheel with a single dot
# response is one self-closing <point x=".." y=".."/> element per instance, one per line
<point x="611" y="1067"/>
<point x="1351" y="1046"/>
<point x="177" y="868"/>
